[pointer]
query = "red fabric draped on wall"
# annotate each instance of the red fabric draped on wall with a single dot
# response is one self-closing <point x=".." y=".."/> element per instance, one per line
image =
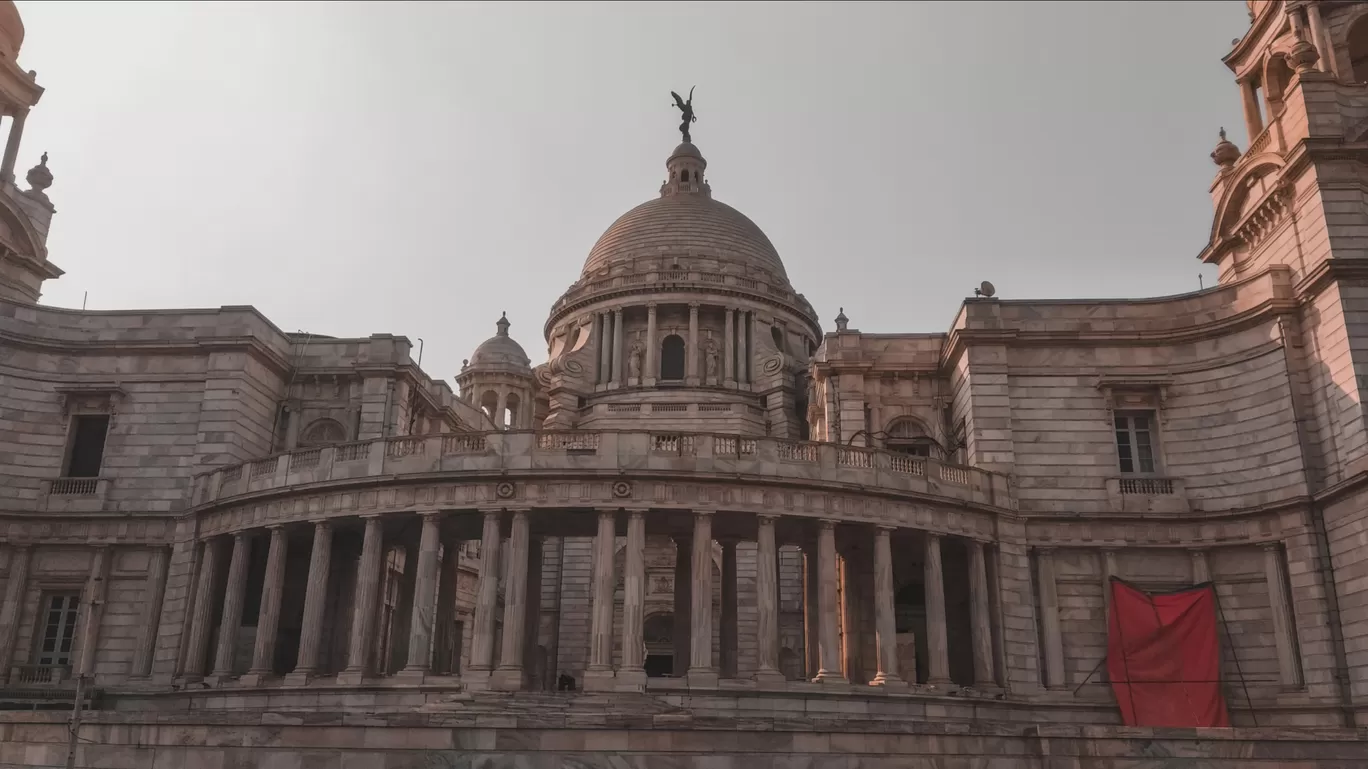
<point x="1164" y="657"/>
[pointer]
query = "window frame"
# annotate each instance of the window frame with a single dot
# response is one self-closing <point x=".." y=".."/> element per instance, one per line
<point x="69" y="452"/>
<point x="1152" y="429"/>
<point x="40" y="626"/>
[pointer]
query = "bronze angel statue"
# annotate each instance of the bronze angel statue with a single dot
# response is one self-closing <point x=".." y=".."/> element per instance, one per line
<point x="686" y="108"/>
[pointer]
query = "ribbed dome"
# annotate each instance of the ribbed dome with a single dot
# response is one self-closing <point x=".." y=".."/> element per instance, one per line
<point x="11" y="30"/>
<point x="500" y="352"/>
<point x="686" y="222"/>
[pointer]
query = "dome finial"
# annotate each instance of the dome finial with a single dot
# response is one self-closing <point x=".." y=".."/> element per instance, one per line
<point x="842" y="322"/>
<point x="502" y="324"/>
<point x="1226" y="153"/>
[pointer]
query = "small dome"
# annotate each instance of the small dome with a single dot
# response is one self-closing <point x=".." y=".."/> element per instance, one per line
<point x="11" y="30"/>
<point x="501" y="352"/>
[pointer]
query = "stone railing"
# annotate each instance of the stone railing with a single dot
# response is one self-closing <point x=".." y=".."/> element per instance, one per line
<point x="608" y="452"/>
<point x="73" y="495"/>
<point x="597" y="285"/>
<point x="1150" y="494"/>
<point x="39" y="675"/>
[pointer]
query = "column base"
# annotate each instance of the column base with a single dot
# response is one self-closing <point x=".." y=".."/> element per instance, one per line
<point x="691" y="381"/>
<point x="302" y="677"/>
<point x="631" y="680"/>
<point x="506" y="680"/>
<point x="351" y="677"/>
<point x="598" y="680"/>
<point x="218" y="679"/>
<point x="703" y="678"/>
<point x="410" y="676"/>
<point x="945" y="683"/>
<point x="830" y="678"/>
<point x="769" y="677"/>
<point x="476" y="679"/>
<point x="888" y="681"/>
<point x="255" y="678"/>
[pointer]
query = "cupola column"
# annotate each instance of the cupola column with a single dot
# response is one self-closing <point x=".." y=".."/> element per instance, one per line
<point x="605" y="346"/>
<point x="743" y="346"/>
<point x="1249" y="98"/>
<point x="618" y="380"/>
<point x="691" y="364"/>
<point x="16" y="134"/>
<point x="728" y="349"/>
<point x="649" y="370"/>
<point x="1320" y="38"/>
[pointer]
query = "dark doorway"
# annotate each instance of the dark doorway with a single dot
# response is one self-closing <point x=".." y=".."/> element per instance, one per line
<point x="672" y="358"/>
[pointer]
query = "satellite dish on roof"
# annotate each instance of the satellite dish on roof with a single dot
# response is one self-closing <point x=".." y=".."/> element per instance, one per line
<point x="985" y="289"/>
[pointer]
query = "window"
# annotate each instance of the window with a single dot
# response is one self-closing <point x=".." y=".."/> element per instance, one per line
<point x="907" y="436"/>
<point x="1135" y="442"/>
<point x="323" y="432"/>
<point x="672" y="357"/>
<point x="1357" y="42"/>
<point x="87" y="445"/>
<point x="58" y="628"/>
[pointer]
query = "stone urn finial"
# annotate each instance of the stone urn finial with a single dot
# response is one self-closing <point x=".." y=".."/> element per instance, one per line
<point x="1303" y="56"/>
<point x="1226" y="153"/>
<point x="842" y="321"/>
<point x="40" y="176"/>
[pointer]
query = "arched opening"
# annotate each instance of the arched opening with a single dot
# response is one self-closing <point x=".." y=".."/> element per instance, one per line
<point x="322" y="432"/>
<point x="672" y="358"/>
<point x="684" y="176"/>
<point x="907" y="436"/>
<point x="512" y="416"/>
<point x="658" y="633"/>
<point x="1357" y="43"/>
<point x="1277" y="75"/>
<point x="489" y="404"/>
<point x="778" y="336"/>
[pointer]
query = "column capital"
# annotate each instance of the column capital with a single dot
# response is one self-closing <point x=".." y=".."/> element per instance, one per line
<point x="372" y="516"/>
<point x="274" y="527"/>
<point x="1198" y="549"/>
<point x="694" y="305"/>
<point x="491" y="511"/>
<point x="1108" y="550"/>
<point x="431" y="515"/>
<point x="319" y="523"/>
<point x="829" y="523"/>
<point x="768" y="519"/>
<point x="238" y="536"/>
<point x="617" y="310"/>
<point x="650" y="305"/>
<point x="884" y="530"/>
<point x="1268" y="546"/>
<point x="634" y="513"/>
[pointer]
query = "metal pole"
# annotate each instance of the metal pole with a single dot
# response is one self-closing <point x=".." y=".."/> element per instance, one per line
<point x="80" y="679"/>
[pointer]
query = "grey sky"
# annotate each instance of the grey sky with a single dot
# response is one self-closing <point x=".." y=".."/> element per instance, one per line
<point x="415" y="168"/>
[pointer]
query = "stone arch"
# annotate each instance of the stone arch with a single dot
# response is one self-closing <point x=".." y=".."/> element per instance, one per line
<point x="489" y="404"/>
<point x="16" y="231"/>
<point x="1276" y="77"/>
<point x="322" y="432"/>
<point x="1232" y="202"/>
<point x="909" y="435"/>
<point x="512" y="418"/>
<point x="672" y="357"/>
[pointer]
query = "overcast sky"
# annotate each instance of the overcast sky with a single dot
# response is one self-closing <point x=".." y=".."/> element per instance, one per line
<point x="416" y="168"/>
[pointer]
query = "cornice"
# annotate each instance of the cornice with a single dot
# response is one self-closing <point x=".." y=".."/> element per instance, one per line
<point x="249" y="344"/>
<point x="1252" y="36"/>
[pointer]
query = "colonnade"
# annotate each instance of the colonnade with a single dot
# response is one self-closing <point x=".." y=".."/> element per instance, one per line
<point x="505" y="620"/>
<point x="733" y="356"/>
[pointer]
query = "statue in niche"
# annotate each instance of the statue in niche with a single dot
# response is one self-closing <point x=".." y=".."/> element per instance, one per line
<point x="634" y="361"/>
<point x="710" y="359"/>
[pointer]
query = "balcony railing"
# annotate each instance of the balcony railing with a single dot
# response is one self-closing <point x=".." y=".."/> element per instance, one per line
<point x="74" y="495"/>
<point x="39" y="675"/>
<point x="608" y="452"/>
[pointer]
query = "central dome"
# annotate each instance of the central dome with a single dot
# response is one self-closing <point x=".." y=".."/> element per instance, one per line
<point x="686" y="222"/>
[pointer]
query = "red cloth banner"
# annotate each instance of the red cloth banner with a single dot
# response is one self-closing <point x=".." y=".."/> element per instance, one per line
<point x="1164" y="657"/>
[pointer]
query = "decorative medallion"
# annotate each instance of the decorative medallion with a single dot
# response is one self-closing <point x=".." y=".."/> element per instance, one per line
<point x="504" y="490"/>
<point x="622" y="489"/>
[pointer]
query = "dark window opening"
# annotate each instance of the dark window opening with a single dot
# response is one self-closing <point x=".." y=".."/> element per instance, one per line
<point x="684" y="176"/>
<point x="672" y="357"/>
<point x="87" y="446"/>
<point x="778" y="337"/>
<point x="1357" y="42"/>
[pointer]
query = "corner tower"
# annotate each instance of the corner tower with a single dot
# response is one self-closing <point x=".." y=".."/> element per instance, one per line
<point x="24" y="214"/>
<point x="682" y="318"/>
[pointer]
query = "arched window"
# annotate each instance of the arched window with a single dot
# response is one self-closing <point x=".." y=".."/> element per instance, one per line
<point x="322" y="432"/>
<point x="672" y="357"/>
<point x="684" y="176"/>
<point x="489" y="403"/>
<point x="1276" y="77"/>
<point x="907" y="436"/>
<point x="1357" y="42"/>
<point x="512" y="418"/>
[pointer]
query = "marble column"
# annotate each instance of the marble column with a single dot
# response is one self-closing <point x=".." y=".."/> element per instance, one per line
<point x="980" y="608"/>
<point x="230" y="621"/>
<point x="829" y="640"/>
<point x="268" y="618"/>
<point x="599" y="674"/>
<point x="1249" y="98"/>
<point x="691" y="360"/>
<point x="1049" y="619"/>
<point x="850" y="597"/>
<point x="811" y="624"/>
<point x="633" y="671"/>
<point x="366" y="600"/>
<point x="885" y="620"/>
<point x="937" y="643"/>
<point x="16" y="134"/>
<point x="742" y="346"/>
<point x="154" y="592"/>
<point x="650" y="370"/>
<point x="509" y="675"/>
<point x="729" y="348"/>
<point x="767" y="603"/>
<point x="619" y="378"/>
<point x="727" y="632"/>
<point x="701" y="670"/>
<point x="501" y="410"/>
<point x="605" y="347"/>
<point x="197" y="641"/>
<point x="1320" y="38"/>
<point x="1284" y="623"/>
<point x="1201" y="570"/>
<point x="16" y="588"/>
<point x="315" y="602"/>
<point x="683" y="604"/>
<point x="486" y="601"/>
<point x="444" y="664"/>
<point x="422" y="620"/>
<point x="534" y="671"/>
<point x="96" y="588"/>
